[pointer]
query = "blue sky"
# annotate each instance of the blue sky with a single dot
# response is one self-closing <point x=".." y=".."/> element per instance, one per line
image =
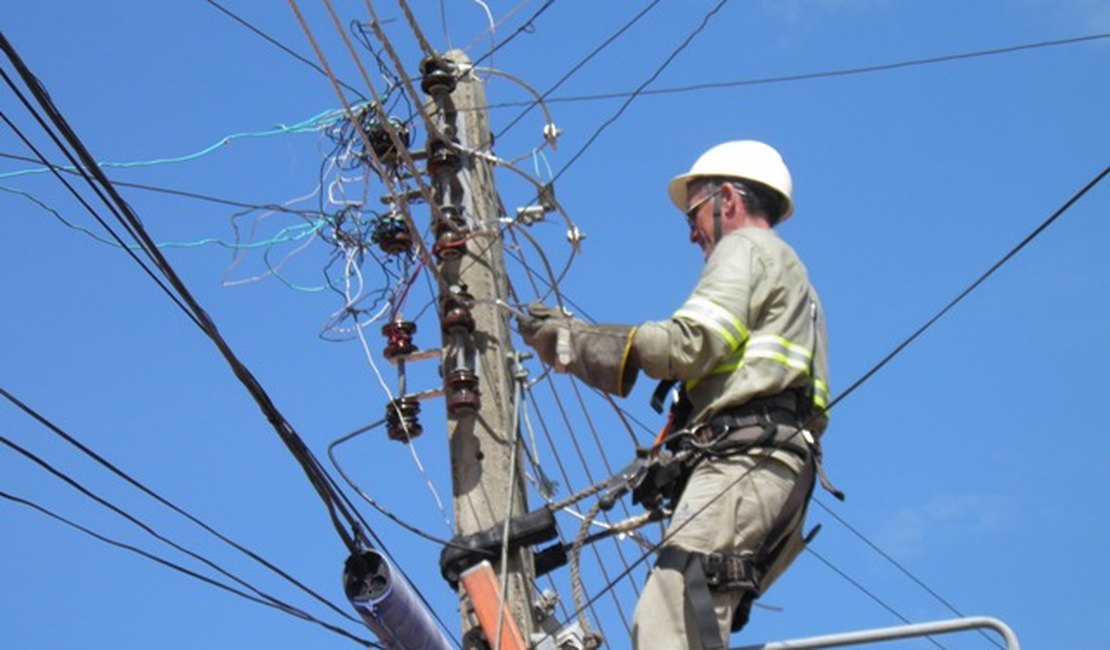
<point x="973" y="458"/>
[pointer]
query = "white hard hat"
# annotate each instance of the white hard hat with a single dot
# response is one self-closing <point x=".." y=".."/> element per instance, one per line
<point x="748" y="160"/>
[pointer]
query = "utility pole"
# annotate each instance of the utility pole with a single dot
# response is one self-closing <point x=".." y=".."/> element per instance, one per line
<point x="479" y="364"/>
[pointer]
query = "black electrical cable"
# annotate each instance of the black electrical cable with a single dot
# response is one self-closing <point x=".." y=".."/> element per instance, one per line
<point x="58" y="431"/>
<point x="865" y="590"/>
<point x="804" y="76"/>
<point x="636" y="93"/>
<point x="527" y="26"/>
<point x="91" y="210"/>
<point x="577" y="66"/>
<point x="283" y="428"/>
<point x="188" y="572"/>
<point x="145" y="527"/>
<point x="169" y="190"/>
<point x="963" y="294"/>
<point x="242" y="21"/>
<point x="886" y="556"/>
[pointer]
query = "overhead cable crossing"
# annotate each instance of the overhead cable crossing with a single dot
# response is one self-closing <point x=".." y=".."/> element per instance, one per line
<point x="185" y="571"/>
<point x="353" y="538"/>
<point x="111" y="467"/>
<point x="807" y="76"/>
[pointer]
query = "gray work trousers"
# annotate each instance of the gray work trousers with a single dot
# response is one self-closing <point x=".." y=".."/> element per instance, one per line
<point x="753" y="489"/>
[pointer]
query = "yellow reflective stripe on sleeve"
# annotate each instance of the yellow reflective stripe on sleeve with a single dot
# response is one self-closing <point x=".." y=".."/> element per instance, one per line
<point x="781" y="350"/>
<point x="715" y="318"/>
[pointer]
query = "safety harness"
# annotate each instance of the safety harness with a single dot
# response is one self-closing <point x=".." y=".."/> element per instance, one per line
<point x="755" y="425"/>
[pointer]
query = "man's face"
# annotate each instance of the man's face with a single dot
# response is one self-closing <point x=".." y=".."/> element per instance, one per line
<point x="700" y="199"/>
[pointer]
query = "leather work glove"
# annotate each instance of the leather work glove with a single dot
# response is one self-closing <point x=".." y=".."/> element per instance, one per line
<point x="600" y="355"/>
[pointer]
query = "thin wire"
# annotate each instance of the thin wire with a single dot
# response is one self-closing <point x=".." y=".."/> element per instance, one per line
<point x="589" y="477"/>
<point x="395" y="140"/>
<point x="510" y="498"/>
<point x="577" y="66"/>
<point x="410" y="443"/>
<point x="167" y="190"/>
<point x="130" y="220"/>
<point x="929" y="590"/>
<point x="508" y="14"/>
<point x="567" y="481"/>
<point x="313" y="124"/>
<point x="492" y="26"/>
<point x="527" y="26"/>
<point x="148" y="530"/>
<point x="192" y="574"/>
<point x="285" y="48"/>
<point x="58" y="431"/>
<point x="963" y="294"/>
<point x="865" y="590"/>
<point x="373" y="502"/>
<point x="93" y="211"/>
<point x="636" y="93"/>
<point x="805" y="76"/>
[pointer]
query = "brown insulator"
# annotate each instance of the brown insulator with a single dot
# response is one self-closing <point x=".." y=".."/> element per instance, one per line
<point x="450" y="245"/>
<point x="438" y="76"/>
<point x="461" y="390"/>
<point x="380" y="141"/>
<point x="456" y="318"/>
<point x="398" y="336"/>
<point x="391" y="234"/>
<point x="401" y="419"/>
<point x="450" y="218"/>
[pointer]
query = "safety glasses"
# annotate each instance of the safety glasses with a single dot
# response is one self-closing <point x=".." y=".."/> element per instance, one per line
<point x="692" y="211"/>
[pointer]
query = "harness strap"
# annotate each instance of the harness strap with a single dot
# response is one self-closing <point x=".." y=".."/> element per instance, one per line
<point x="691" y="566"/>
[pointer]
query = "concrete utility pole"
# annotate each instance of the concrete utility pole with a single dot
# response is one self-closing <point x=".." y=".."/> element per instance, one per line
<point x="478" y="363"/>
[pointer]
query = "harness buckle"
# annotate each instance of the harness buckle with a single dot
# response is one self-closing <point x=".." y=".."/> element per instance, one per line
<point x="731" y="572"/>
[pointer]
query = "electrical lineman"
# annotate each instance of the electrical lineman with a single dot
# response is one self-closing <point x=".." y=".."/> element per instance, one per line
<point x="749" y="347"/>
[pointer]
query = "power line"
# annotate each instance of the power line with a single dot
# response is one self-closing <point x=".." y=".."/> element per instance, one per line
<point x="170" y="190"/>
<point x="58" y="431"/>
<point x="578" y="66"/>
<point x="81" y="199"/>
<point x="636" y="93"/>
<point x="918" y="581"/>
<point x="526" y="27"/>
<point x="963" y="294"/>
<point x="188" y="572"/>
<point x="316" y="474"/>
<point x="145" y="527"/>
<point x="242" y="21"/>
<point x="855" y="583"/>
<point x="805" y="76"/>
